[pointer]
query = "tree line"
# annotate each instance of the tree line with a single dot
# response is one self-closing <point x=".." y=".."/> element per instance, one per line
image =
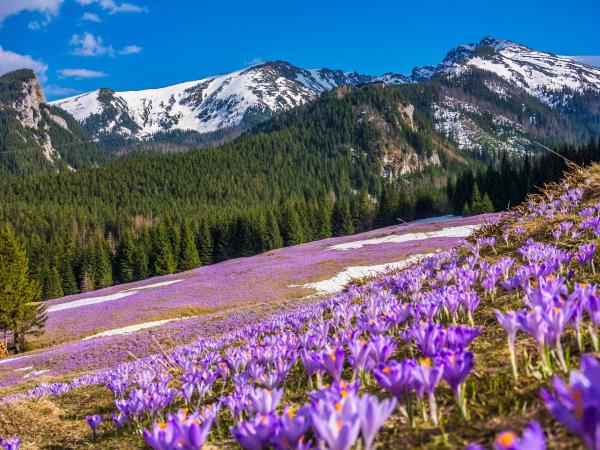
<point x="499" y="186"/>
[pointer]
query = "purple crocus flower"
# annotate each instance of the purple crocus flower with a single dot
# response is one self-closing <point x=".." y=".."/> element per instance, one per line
<point x="256" y="433"/>
<point x="532" y="439"/>
<point x="360" y="352"/>
<point x="332" y="361"/>
<point x="383" y="347"/>
<point x="293" y="425"/>
<point x="577" y="405"/>
<point x="265" y="401"/>
<point x="119" y="420"/>
<point x="586" y="254"/>
<point x="373" y="415"/>
<point x="427" y="376"/>
<point x="94" y="422"/>
<point x="396" y="378"/>
<point x="426" y="336"/>
<point x="337" y="423"/>
<point x="10" y="443"/>
<point x="457" y="366"/>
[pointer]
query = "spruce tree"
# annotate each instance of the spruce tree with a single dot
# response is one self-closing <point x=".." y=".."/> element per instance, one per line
<point x="341" y="218"/>
<point x="486" y="204"/>
<point x="188" y="258"/>
<point x="204" y="244"/>
<point x="102" y="264"/>
<point x="290" y="225"/>
<point x="52" y="287"/>
<point x="67" y="275"/>
<point x="142" y="254"/>
<point x="273" y="237"/>
<point x="161" y="258"/>
<point x="475" y="207"/>
<point x="125" y="261"/>
<point x="324" y="220"/>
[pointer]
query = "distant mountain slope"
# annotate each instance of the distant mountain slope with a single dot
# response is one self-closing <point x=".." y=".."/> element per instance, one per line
<point x="548" y="77"/>
<point x="498" y="96"/>
<point x="236" y="100"/>
<point x="35" y="136"/>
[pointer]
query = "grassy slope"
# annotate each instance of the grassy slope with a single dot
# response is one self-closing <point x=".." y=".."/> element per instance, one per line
<point x="495" y="401"/>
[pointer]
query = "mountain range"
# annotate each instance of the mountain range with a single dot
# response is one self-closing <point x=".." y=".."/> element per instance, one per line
<point x="484" y="99"/>
<point x="238" y="100"/>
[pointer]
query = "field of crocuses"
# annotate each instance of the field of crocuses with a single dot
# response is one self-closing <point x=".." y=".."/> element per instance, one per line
<point x="491" y="344"/>
<point x="96" y="330"/>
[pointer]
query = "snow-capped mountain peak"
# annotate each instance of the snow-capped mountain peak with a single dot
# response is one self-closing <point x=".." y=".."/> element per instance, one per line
<point x="544" y="75"/>
<point x="236" y="99"/>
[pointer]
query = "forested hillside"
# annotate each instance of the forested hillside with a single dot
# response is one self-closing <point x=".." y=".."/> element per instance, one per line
<point x="313" y="172"/>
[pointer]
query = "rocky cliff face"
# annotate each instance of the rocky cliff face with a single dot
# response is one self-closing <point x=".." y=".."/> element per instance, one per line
<point x="36" y="136"/>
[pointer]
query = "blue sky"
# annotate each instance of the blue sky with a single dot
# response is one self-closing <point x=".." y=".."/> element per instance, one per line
<point x="81" y="45"/>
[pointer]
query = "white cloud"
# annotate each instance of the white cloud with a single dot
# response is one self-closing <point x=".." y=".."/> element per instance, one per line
<point x="49" y="8"/>
<point x="90" y="17"/>
<point x="113" y="7"/>
<point x="10" y="61"/>
<point x="52" y="90"/>
<point x="90" y="45"/>
<point x="130" y="50"/>
<point x="80" y="74"/>
<point x="590" y="60"/>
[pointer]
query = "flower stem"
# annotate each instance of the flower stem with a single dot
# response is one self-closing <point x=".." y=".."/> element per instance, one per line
<point x="513" y="359"/>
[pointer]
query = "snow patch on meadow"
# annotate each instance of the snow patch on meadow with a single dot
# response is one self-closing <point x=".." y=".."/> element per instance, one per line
<point x="90" y="301"/>
<point x="349" y="274"/>
<point x="108" y="298"/>
<point x="155" y="285"/>
<point x="36" y="373"/>
<point x="133" y="328"/>
<point x="14" y="359"/>
<point x="448" y="232"/>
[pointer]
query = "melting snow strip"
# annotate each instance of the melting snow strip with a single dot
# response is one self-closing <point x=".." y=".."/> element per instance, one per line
<point x="14" y="359"/>
<point x="133" y="328"/>
<point x="460" y="231"/>
<point x="107" y="298"/>
<point x="338" y="282"/>
<point x="150" y="286"/>
<point x="89" y="301"/>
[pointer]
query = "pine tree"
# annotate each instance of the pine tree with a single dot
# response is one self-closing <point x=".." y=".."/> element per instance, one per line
<point x="188" y="258"/>
<point x="19" y="313"/>
<point x="125" y="259"/>
<point x="161" y="257"/>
